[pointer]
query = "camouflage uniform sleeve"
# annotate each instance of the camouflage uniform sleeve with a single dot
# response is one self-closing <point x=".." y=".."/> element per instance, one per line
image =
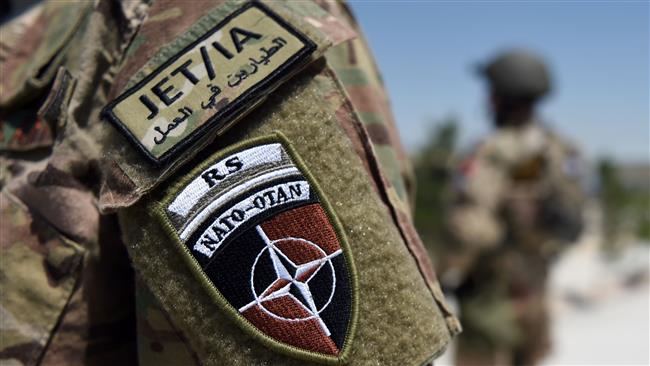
<point x="323" y="201"/>
<point x="303" y="188"/>
<point x="67" y="283"/>
<point x="355" y="67"/>
<point x="38" y="275"/>
<point x="327" y="204"/>
<point x="356" y="70"/>
<point x="159" y="342"/>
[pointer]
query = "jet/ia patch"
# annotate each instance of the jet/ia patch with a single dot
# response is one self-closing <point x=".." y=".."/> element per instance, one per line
<point x="262" y="239"/>
<point x="210" y="83"/>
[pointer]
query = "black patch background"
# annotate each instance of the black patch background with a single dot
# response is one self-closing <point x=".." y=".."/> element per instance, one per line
<point x="230" y="272"/>
<point x="337" y="314"/>
<point x="229" y="268"/>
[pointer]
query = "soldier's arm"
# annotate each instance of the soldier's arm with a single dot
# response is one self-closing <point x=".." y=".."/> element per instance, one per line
<point x="273" y="238"/>
<point x="563" y="210"/>
<point x="214" y="139"/>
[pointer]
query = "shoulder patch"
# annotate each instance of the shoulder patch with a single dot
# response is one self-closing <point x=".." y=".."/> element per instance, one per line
<point x="206" y="85"/>
<point x="257" y="232"/>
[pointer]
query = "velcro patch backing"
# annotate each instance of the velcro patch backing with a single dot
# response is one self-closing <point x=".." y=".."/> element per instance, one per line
<point x="256" y="230"/>
<point x="209" y="83"/>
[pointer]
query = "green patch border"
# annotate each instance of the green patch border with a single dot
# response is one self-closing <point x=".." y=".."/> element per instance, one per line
<point x="171" y="193"/>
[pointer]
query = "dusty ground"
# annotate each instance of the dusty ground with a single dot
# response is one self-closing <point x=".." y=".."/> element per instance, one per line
<point x="601" y="308"/>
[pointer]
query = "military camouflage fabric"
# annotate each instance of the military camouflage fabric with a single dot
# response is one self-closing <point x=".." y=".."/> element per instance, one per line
<point x="356" y="69"/>
<point x="158" y="341"/>
<point x="67" y="285"/>
<point x="87" y="276"/>
<point x="519" y="202"/>
<point x="27" y="245"/>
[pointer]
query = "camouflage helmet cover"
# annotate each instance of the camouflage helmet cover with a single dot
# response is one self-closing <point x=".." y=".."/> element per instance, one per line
<point x="517" y="74"/>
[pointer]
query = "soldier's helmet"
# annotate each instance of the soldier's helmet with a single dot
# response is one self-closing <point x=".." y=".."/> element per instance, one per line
<point x="517" y="74"/>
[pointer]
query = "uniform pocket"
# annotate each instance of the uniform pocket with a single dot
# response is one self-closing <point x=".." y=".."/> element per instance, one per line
<point x="38" y="275"/>
<point x="27" y="128"/>
<point x="33" y="63"/>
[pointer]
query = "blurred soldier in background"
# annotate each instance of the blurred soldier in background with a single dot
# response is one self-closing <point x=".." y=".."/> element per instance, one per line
<point x="518" y="200"/>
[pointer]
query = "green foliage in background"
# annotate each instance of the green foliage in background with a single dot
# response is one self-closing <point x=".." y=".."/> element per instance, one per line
<point x="626" y="209"/>
<point x="433" y="165"/>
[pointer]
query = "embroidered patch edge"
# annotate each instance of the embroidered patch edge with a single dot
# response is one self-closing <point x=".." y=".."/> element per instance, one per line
<point x="229" y="113"/>
<point x="159" y="210"/>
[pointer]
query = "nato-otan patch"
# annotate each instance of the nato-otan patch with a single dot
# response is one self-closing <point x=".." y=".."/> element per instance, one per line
<point x="261" y="238"/>
<point x="209" y="84"/>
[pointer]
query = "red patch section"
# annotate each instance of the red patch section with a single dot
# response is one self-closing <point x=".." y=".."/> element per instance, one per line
<point x="308" y="222"/>
<point x="286" y="307"/>
<point x="305" y="334"/>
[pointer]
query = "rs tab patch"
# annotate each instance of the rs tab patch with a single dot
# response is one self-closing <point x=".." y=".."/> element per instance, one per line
<point x="210" y="83"/>
<point x="261" y="238"/>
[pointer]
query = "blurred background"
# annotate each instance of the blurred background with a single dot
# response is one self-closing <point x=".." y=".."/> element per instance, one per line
<point x="598" y="53"/>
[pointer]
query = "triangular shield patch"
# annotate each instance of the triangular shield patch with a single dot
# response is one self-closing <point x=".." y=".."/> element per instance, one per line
<point x="258" y="233"/>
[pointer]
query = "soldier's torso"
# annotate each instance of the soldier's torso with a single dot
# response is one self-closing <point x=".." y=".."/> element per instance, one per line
<point x="265" y="222"/>
<point x="524" y="185"/>
<point x="515" y="174"/>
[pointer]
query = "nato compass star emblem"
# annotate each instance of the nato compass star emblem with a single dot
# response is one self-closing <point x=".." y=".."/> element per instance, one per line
<point x="294" y="270"/>
<point x="257" y="227"/>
